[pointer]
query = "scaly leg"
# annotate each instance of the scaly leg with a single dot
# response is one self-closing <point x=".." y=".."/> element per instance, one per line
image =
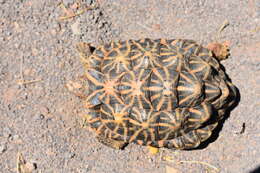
<point x="111" y="142"/>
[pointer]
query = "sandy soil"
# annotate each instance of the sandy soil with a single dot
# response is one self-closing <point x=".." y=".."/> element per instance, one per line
<point x="41" y="120"/>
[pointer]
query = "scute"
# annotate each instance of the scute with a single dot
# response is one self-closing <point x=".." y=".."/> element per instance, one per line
<point x="198" y="115"/>
<point x="162" y="89"/>
<point x="171" y="59"/>
<point x="189" y="90"/>
<point x="95" y="85"/>
<point x="199" y="68"/>
<point x="212" y="90"/>
<point x="133" y="88"/>
<point x="161" y="93"/>
<point x="142" y="125"/>
<point x="117" y="58"/>
<point x="144" y="54"/>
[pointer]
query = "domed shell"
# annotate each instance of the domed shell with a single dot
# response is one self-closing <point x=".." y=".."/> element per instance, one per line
<point x="161" y="93"/>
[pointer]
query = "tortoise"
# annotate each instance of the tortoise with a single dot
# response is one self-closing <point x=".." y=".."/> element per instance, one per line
<point x="155" y="92"/>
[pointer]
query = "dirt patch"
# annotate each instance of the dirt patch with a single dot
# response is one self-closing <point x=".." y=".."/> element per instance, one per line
<point x="40" y="119"/>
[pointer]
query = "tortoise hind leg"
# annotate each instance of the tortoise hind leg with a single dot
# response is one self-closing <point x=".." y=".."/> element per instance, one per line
<point x="111" y="142"/>
<point x="85" y="50"/>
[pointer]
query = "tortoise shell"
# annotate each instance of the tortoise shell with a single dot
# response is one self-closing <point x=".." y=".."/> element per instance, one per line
<point x="159" y="93"/>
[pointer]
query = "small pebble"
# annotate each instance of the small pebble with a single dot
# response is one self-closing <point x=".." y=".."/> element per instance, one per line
<point x="84" y="170"/>
<point x="7" y="132"/>
<point x="75" y="28"/>
<point x="42" y="116"/>
<point x="3" y="148"/>
<point x="68" y="2"/>
<point x="2" y="1"/>
<point x="44" y="110"/>
<point x="15" y="137"/>
<point x="39" y="117"/>
<point x="88" y="2"/>
<point x="69" y="155"/>
<point x="31" y="166"/>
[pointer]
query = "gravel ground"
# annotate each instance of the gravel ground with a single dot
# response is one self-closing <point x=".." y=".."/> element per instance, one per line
<point x="42" y="121"/>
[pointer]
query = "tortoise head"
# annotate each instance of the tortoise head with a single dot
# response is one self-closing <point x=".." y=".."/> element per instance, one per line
<point x="220" y="50"/>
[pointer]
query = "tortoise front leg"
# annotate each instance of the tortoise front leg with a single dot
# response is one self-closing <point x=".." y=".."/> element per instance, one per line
<point x="84" y="50"/>
<point x="111" y="142"/>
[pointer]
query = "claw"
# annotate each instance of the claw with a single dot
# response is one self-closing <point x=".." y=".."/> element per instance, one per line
<point x="153" y="150"/>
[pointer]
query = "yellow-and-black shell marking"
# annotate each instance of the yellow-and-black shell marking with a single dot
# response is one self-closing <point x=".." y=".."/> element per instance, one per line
<point x="162" y="93"/>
